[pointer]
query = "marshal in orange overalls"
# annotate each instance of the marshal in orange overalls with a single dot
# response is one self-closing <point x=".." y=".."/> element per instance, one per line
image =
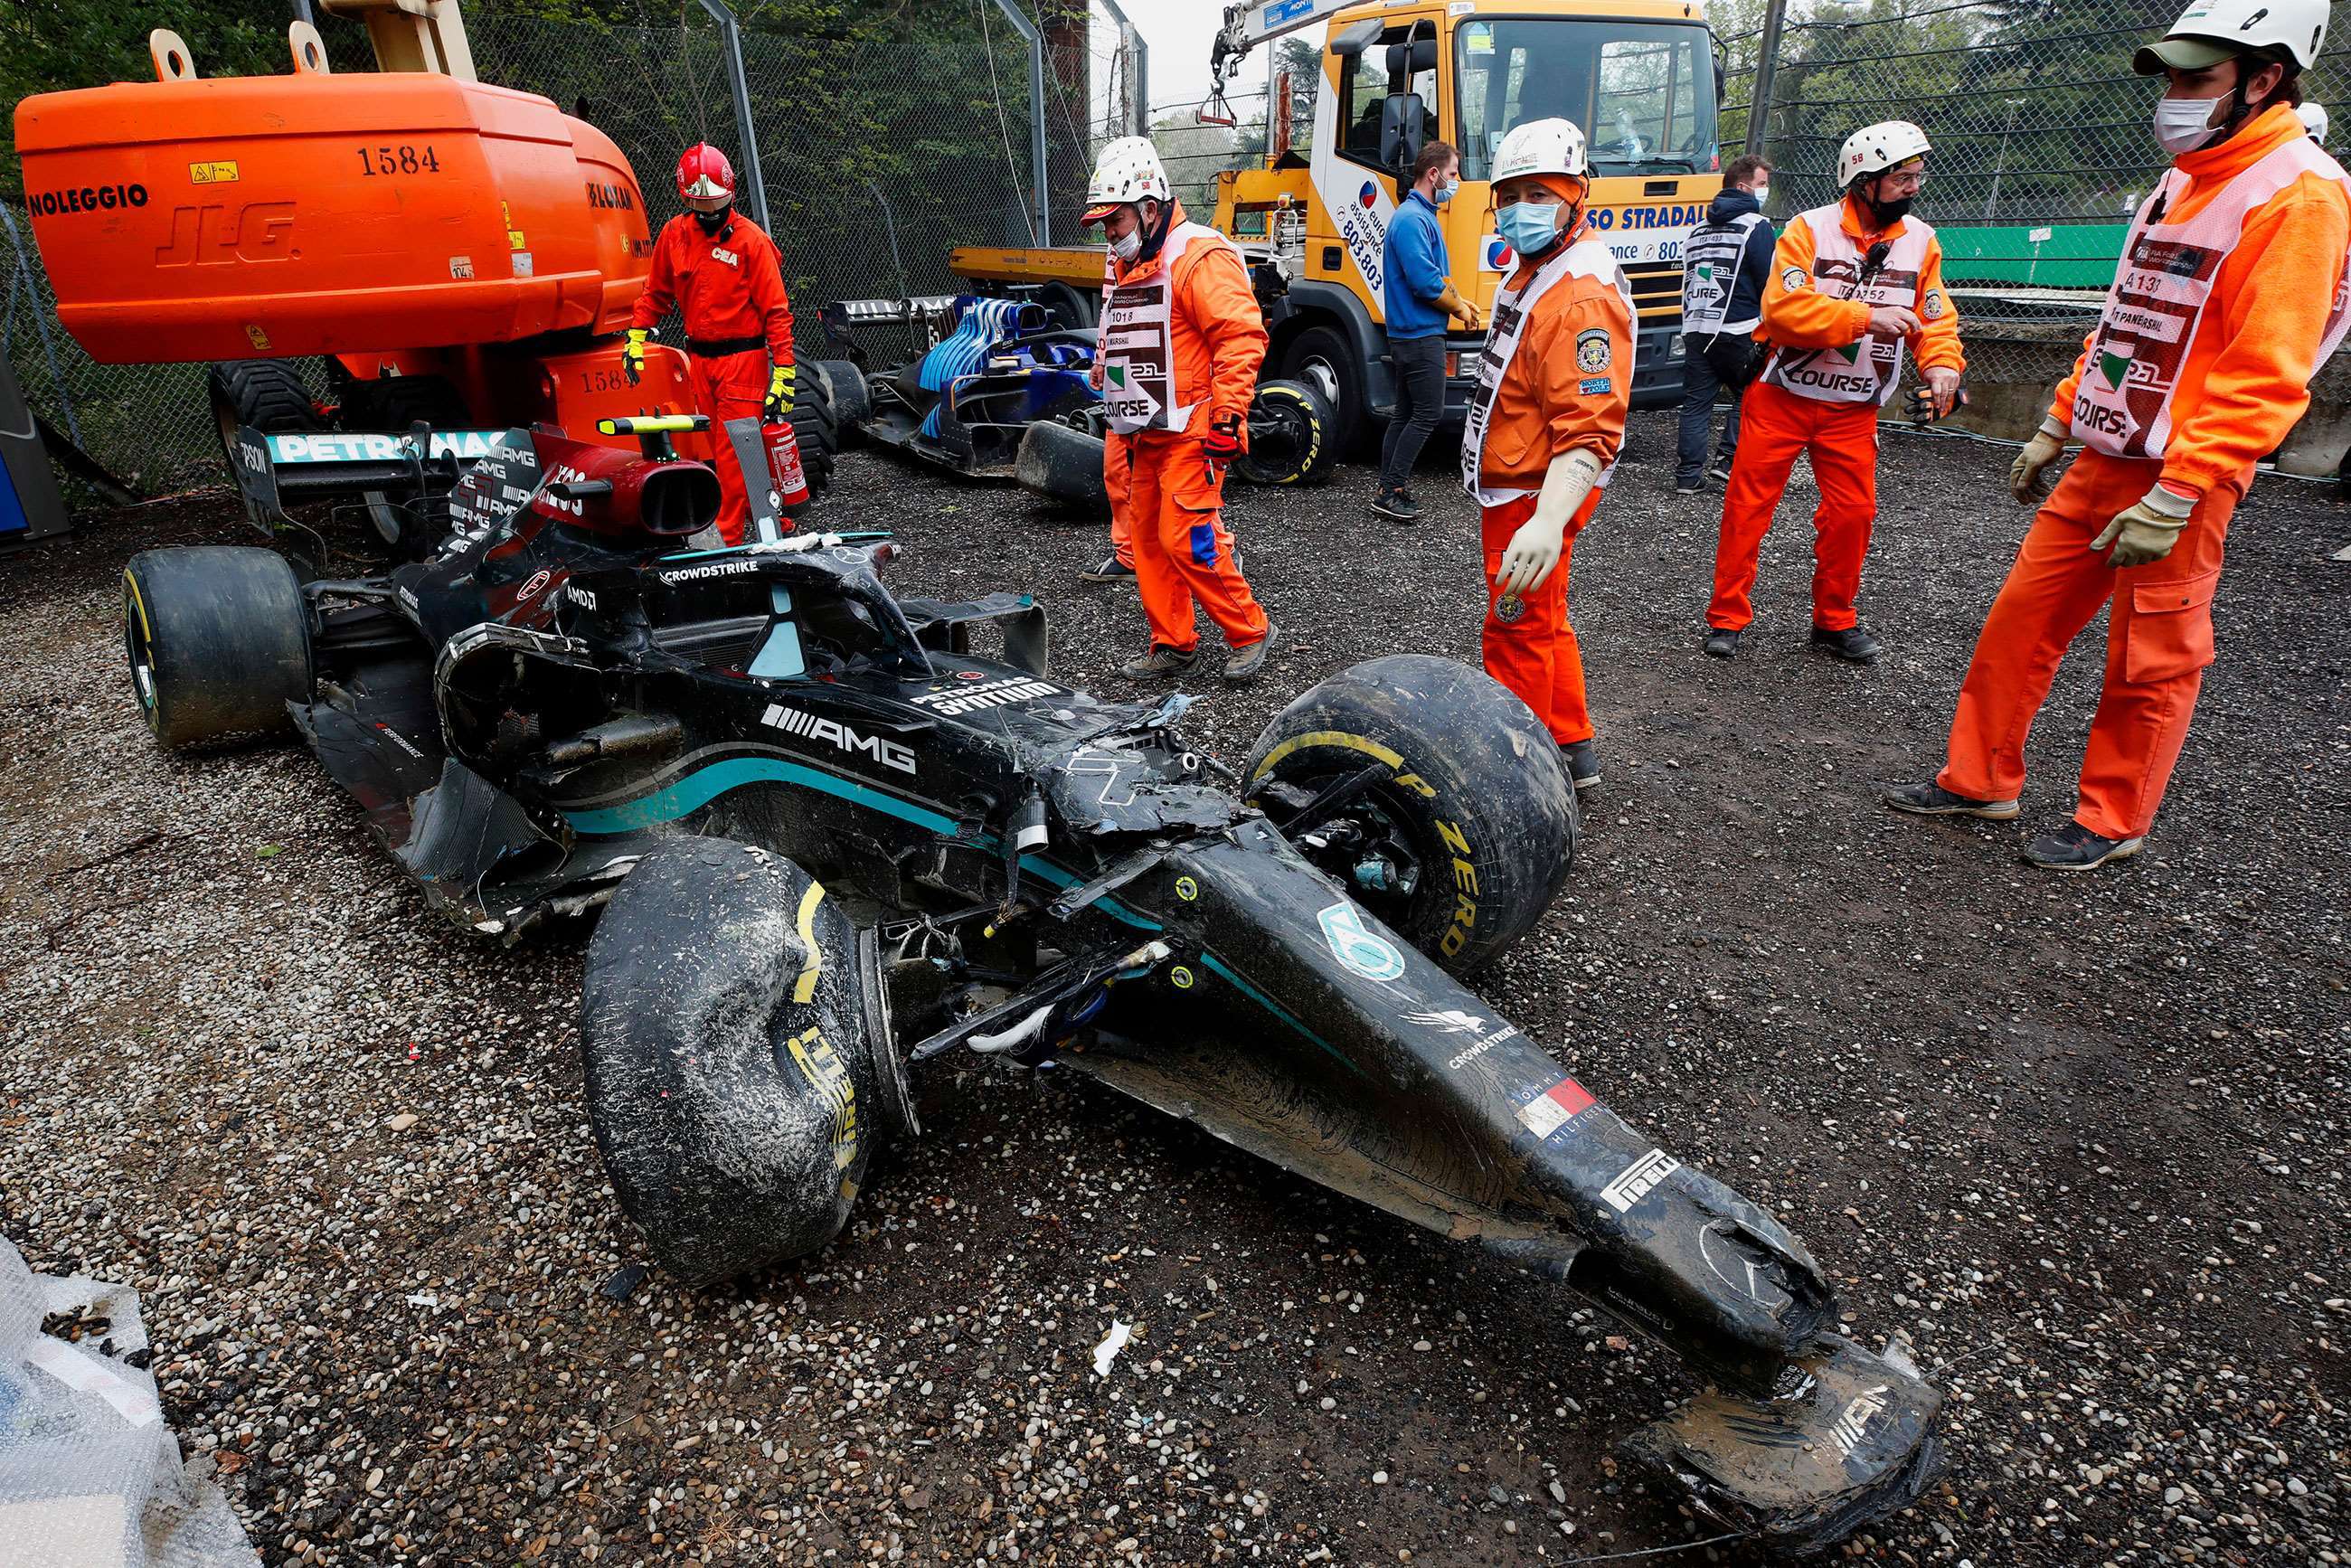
<point x="1167" y="499"/>
<point x="1560" y="359"/>
<point x="1819" y="393"/>
<point x="729" y="288"/>
<point x="2276" y="307"/>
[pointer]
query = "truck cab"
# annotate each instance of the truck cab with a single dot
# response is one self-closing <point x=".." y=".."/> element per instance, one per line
<point x="1638" y="77"/>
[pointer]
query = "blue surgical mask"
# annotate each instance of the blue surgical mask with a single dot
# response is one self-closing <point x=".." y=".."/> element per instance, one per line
<point x="1527" y="227"/>
<point x="1448" y="191"/>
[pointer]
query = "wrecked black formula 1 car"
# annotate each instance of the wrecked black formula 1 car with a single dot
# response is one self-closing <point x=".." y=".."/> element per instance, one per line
<point x="834" y="842"/>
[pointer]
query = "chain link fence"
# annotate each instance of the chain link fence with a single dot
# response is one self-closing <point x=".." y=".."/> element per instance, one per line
<point x="2043" y="146"/>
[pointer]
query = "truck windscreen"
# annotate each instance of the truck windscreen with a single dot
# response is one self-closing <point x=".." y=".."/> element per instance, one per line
<point x="1642" y="93"/>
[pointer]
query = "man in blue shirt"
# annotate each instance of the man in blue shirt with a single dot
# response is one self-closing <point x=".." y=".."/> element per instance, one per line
<point x="1416" y="290"/>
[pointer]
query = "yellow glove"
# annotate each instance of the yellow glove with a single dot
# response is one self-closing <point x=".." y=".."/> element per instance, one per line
<point x="779" y="394"/>
<point x="2145" y="531"/>
<point x="632" y="354"/>
<point x="2025" y="481"/>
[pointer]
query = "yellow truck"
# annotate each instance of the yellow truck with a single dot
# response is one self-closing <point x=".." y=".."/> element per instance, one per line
<point x="1641" y="77"/>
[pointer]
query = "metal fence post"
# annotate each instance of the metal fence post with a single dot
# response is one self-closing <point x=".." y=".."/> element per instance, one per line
<point x="23" y="272"/>
<point x="1039" y="200"/>
<point x="1767" y="62"/>
<point x="733" y="40"/>
<point x="1141" y="53"/>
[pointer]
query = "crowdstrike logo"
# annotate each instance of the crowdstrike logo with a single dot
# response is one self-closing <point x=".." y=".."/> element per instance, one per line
<point x="704" y="573"/>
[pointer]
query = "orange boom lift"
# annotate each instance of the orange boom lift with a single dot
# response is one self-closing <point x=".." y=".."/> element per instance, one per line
<point x="464" y="255"/>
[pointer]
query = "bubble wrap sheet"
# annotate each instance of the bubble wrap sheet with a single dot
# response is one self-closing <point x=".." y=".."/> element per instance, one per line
<point x="89" y="1476"/>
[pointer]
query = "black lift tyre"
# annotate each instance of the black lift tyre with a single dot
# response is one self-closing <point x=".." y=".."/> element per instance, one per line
<point x="1442" y="803"/>
<point x="266" y="395"/>
<point x="392" y="406"/>
<point x="218" y="640"/>
<point x="734" y="1075"/>
<point x="1064" y="464"/>
<point x="845" y="385"/>
<point x="1291" y="439"/>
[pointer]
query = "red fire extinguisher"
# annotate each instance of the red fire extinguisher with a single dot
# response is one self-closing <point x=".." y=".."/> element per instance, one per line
<point x="784" y="469"/>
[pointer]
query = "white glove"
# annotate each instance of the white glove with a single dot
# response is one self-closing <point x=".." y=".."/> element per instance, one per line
<point x="1534" y="550"/>
<point x="2025" y="475"/>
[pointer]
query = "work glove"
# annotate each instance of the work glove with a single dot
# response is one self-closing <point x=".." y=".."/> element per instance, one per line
<point x="2027" y="478"/>
<point x="632" y="354"/>
<point x="1940" y="396"/>
<point x="2145" y="531"/>
<point x="1224" y="442"/>
<point x="1533" y="552"/>
<point x="779" y="406"/>
<point x="1460" y="310"/>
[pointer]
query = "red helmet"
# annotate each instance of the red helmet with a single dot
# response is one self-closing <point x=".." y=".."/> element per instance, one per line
<point x="702" y="173"/>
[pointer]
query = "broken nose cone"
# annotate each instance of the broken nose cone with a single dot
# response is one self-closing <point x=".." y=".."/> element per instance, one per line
<point x="1850" y="1441"/>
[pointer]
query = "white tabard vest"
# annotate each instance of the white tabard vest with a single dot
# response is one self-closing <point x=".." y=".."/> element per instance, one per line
<point x="1865" y="371"/>
<point x="1138" y="341"/>
<point x="1585" y="258"/>
<point x="2155" y="304"/>
<point x="1709" y="274"/>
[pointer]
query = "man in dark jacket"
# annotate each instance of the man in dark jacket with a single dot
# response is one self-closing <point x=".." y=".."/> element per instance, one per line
<point x="1724" y="269"/>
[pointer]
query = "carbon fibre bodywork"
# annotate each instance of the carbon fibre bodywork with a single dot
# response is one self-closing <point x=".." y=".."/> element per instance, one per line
<point x="526" y="715"/>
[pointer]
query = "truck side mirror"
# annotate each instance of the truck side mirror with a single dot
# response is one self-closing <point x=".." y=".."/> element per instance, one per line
<point x="1403" y="125"/>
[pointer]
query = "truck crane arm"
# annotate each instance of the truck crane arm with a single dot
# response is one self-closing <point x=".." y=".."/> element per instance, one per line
<point x="1245" y="28"/>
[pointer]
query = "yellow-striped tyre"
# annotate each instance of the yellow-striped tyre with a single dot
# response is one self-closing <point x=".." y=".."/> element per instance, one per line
<point x="1431" y="794"/>
<point x="1292" y="436"/>
<point x="735" y="1052"/>
<point x="218" y="641"/>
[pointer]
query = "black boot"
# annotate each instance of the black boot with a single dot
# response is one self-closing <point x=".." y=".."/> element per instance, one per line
<point x="1853" y="644"/>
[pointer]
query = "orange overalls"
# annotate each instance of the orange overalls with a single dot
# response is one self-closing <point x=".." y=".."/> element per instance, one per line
<point x="1819" y="393"/>
<point x="729" y="287"/>
<point x="1556" y="373"/>
<point x="1182" y="338"/>
<point x="2278" y="227"/>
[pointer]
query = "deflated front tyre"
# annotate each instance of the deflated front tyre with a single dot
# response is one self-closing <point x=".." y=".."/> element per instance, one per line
<point x="734" y="1076"/>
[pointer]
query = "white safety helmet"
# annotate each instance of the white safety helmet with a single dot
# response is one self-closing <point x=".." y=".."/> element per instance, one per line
<point x="1874" y="149"/>
<point x="2313" y="120"/>
<point x="2210" y="31"/>
<point x="1542" y="147"/>
<point x="1128" y="171"/>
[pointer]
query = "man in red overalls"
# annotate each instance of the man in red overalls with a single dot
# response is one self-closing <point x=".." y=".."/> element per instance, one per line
<point x="725" y="277"/>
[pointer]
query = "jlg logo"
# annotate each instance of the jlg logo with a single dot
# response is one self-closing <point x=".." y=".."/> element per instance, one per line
<point x="215" y="235"/>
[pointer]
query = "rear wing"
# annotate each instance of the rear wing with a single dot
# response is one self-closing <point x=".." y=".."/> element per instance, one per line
<point x="418" y="468"/>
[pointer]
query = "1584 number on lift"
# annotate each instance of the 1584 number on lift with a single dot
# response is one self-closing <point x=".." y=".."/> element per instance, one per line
<point x="404" y="159"/>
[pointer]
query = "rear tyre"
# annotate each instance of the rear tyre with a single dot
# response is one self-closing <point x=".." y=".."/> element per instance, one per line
<point x="1063" y="464"/>
<point x="1291" y="442"/>
<point x="1462" y="825"/>
<point x="733" y="1071"/>
<point x="1322" y="359"/>
<point x="391" y="404"/>
<point x="845" y="385"/>
<point x="218" y="641"/>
